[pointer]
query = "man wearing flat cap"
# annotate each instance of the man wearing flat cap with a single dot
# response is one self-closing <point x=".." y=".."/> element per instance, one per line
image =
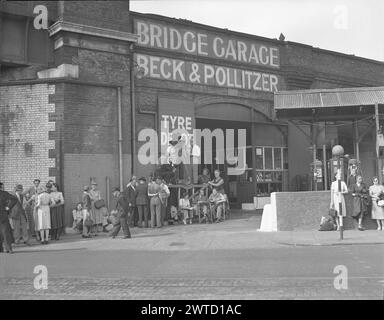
<point x="121" y="216"/>
<point x="19" y="217"/>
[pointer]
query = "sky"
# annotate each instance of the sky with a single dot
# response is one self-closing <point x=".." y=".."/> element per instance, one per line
<point x="351" y="27"/>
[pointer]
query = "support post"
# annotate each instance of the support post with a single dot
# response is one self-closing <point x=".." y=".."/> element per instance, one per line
<point x="313" y="138"/>
<point x="325" y="173"/>
<point x="377" y="149"/>
<point x="340" y="204"/>
<point x="120" y="138"/>
<point x="133" y="115"/>
<point x="357" y="140"/>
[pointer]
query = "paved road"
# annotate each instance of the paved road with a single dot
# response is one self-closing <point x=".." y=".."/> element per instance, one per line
<point x="103" y="268"/>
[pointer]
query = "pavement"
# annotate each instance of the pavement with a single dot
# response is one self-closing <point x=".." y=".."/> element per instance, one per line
<point x="240" y="232"/>
<point x="229" y="260"/>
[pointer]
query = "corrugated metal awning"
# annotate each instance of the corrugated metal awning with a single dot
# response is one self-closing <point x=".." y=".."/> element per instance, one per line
<point x="324" y="98"/>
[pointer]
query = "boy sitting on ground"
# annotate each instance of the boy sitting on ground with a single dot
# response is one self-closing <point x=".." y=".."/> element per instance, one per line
<point x="77" y="215"/>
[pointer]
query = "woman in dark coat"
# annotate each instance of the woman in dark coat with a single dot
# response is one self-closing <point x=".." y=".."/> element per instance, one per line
<point x="360" y="200"/>
<point x="57" y="212"/>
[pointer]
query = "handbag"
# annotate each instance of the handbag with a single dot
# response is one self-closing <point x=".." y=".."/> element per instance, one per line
<point x="88" y="222"/>
<point x="380" y="203"/>
<point x="99" y="204"/>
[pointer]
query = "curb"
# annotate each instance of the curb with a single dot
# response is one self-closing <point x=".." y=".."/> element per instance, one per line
<point x="328" y="244"/>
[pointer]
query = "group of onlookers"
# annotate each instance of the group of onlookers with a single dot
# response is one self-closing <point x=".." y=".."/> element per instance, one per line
<point x="364" y="199"/>
<point x="37" y="212"/>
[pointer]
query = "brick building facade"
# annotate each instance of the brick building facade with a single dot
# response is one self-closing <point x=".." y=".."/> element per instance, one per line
<point x="60" y="115"/>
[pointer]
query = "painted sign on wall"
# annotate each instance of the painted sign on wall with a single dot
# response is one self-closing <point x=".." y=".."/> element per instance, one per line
<point x="206" y="44"/>
<point x="206" y="74"/>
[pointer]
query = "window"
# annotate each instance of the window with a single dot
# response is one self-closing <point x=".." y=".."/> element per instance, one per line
<point x="271" y="163"/>
<point x="268" y="158"/>
<point x="259" y="158"/>
<point x="277" y="159"/>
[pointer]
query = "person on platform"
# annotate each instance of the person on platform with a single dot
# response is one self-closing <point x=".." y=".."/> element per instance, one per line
<point x="44" y="201"/>
<point x="142" y="202"/>
<point x="360" y="198"/>
<point x="204" y="177"/>
<point x="337" y="198"/>
<point x="155" y="203"/>
<point x="122" y="215"/>
<point x="375" y="191"/>
<point x="217" y="182"/>
<point x="57" y="212"/>
<point x="7" y="202"/>
<point x="19" y="217"/>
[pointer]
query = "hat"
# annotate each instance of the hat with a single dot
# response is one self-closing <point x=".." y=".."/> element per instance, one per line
<point x="19" y="187"/>
<point x="142" y="179"/>
<point x="86" y="188"/>
<point x="116" y="189"/>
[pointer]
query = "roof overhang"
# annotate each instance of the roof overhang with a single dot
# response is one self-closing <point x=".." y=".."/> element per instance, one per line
<point x="328" y="104"/>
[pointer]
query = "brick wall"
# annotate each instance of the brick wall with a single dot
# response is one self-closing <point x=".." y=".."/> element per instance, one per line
<point x="25" y="130"/>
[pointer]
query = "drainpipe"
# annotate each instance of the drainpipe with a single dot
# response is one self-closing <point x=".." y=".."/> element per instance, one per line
<point x="120" y="137"/>
<point x="133" y="115"/>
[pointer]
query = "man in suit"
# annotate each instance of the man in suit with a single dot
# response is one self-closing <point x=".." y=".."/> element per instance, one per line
<point x="130" y="197"/>
<point x="19" y="217"/>
<point x="7" y="201"/>
<point x="122" y="215"/>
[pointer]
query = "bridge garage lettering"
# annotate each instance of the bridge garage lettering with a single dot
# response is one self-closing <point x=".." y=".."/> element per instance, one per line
<point x="206" y="74"/>
<point x="161" y="36"/>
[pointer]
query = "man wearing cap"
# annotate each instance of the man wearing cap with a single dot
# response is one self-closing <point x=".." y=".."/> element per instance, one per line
<point x="122" y="215"/>
<point x="7" y="201"/>
<point x="19" y="217"/>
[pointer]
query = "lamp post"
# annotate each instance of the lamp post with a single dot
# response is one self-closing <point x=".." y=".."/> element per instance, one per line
<point x="338" y="152"/>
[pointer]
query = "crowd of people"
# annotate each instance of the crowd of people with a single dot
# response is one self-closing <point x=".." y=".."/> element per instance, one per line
<point x="38" y="211"/>
<point x="365" y="200"/>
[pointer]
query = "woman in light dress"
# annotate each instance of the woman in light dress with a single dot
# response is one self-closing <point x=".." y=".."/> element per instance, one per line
<point x="97" y="215"/>
<point x="44" y="201"/>
<point x="338" y="197"/>
<point x="377" y="212"/>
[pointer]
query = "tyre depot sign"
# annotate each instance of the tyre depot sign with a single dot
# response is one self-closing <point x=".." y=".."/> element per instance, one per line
<point x="209" y="45"/>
